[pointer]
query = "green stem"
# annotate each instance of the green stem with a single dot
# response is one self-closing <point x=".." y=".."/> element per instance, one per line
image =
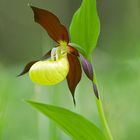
<point x="100" y="109"/>
<point x="103" y="119"/>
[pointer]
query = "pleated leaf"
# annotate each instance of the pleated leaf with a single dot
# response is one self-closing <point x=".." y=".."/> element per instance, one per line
<point x="76" y="126"/>
<point x="85" y="26"/>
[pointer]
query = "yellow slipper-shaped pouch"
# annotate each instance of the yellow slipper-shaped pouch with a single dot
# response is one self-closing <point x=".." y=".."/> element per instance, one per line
<point x="49" y="72"/>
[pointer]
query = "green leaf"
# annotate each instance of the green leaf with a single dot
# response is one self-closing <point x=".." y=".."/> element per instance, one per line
<point x="73" y="124"/>
<point x="85" y="26"/>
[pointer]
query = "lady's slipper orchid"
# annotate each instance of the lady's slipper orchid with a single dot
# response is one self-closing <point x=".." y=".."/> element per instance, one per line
<point x="62" y="61"/>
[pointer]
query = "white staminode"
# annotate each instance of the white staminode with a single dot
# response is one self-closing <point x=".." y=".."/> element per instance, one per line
<point x="54" y="53"/>
<point x="57" y="52"/>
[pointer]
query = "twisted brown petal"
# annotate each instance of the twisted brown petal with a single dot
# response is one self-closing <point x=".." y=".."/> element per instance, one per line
<point x="51" y="24"/>
<point x="74" y="75"/>
<point x="28" y="66"/>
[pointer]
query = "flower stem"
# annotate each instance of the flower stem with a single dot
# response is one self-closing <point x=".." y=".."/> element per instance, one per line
<point x="105" y="125"/>
<point x="103" y="119"/>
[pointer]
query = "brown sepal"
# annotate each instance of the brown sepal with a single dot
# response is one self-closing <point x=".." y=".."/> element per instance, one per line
<point x="74" y="75"/>
<point x="51" y="24"/>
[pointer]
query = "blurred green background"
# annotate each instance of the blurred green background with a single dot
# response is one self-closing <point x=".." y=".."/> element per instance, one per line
<point x="116" y="60"/>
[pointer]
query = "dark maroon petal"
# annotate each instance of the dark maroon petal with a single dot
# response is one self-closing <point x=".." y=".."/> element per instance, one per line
<point x="28" y="66"/>
<point x="51" y="24"/>
<point x="74" y="75"/>
<point x="72" y="50"/>
<point x="87" y="67"/>
<point x="46" y="56"/>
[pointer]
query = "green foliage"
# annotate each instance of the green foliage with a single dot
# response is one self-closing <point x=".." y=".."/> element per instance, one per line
<point x="75" y="125"/>
<point x="85" y="26"/>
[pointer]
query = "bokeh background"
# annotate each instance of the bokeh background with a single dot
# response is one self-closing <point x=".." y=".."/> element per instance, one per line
<point x="116" y="60"/>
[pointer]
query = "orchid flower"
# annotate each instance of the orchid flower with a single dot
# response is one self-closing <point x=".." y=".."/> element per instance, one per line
<point x="61" y="61"/>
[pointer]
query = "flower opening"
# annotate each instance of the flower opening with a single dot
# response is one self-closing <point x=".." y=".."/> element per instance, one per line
<point x="62" y="61"/>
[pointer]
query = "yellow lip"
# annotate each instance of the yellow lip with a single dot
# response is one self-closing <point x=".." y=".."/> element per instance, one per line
<point x="49" y="72"/>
